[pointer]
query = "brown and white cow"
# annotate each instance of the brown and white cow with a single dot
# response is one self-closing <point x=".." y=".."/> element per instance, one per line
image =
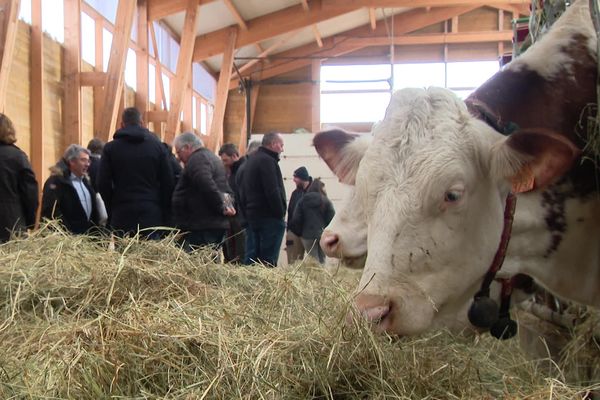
<point x="430" y="187"/>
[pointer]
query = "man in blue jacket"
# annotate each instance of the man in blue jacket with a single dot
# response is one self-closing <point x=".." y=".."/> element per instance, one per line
<point x="135" y="178"/>
<point x="262" y="198"/>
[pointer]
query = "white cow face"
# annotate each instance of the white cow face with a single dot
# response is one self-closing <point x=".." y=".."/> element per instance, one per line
<point x="431" y="189"/>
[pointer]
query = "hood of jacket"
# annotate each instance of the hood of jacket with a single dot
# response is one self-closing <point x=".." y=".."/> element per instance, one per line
<point x="312" y="199"/>
<point x="132" y="133"/>
<point x="61" y="169"/>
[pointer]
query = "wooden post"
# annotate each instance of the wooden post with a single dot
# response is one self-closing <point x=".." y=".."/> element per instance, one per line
<point x="116" y="66"/>
<point x="184" y="65"/>
<point x="141" y="92"/>
<point x="216" y="126"/>
<point x="72" y="66"/>
<point x="36" y="92"/>
<point x="316" y="96"/>
<point x="161" y="99"/>
<point x="244" y="135"/>
<point x="9" y="14"/>
<point x="99" y="67"/>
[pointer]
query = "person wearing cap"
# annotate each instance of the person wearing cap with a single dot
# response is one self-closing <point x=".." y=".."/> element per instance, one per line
<point x="293" y="243"/>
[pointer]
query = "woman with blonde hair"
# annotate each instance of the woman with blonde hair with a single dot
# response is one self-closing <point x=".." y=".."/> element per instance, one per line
<point x="18" y="186"/>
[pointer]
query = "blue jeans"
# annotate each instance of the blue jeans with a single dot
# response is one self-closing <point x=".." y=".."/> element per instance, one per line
<point x="267" y="235"/>
<point x="206" y="237"/>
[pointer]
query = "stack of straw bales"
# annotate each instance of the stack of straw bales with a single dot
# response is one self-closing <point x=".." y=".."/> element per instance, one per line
<point x="147" y="320"/>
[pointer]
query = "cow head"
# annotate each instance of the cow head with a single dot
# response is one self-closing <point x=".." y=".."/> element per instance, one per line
<point x="430" y="189"/>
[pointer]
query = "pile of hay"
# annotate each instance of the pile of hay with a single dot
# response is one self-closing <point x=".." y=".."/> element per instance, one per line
<point x="147" y="320"/>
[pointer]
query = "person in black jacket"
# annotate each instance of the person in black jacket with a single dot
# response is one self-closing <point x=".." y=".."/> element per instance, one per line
<point x="68" y="195"/>
<point x="18" y="186"/>
<point x="262" y="198"/>
<point x="293" y="243"/>
<point x="313" y="213"/>
<point x="202" y="200"/>
<point x="95" y="147"/>
<point x="235" y="239"/>
<point x="136" y="179"/>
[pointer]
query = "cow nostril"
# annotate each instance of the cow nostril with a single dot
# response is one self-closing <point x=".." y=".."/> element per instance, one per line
<point x="329" y="243"/>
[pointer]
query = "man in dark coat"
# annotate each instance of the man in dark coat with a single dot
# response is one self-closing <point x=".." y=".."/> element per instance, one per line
<point x="293" y="244"/>
<point x="262" y="197"/>
<point x="135" y="179"/>
<point x="202" y="200"/>
<point x="68" y="194"/>
<point x="95" y="146"/>
<point x="235" y="240"/>
<point x="18" y="186"/>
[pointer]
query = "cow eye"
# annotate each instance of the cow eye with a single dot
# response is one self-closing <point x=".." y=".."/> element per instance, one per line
<point x="453" y="195"/>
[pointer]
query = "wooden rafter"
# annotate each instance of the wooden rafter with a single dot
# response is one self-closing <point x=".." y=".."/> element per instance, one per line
<point x="415" y="3"/>
<point x="339" y="44"/>
<point x="184" y="66"/>
<point x="116" y="66"/>
<point x="158" y="9"/>
<point x="433" y="38"/>
<point x="72" y="70"/>
<point x="317" y="35"/>
<point x="236" y="14"/>
<point x="216" y="126"/>
<point x="267" y="51"/>
<point x="372" y="18"/>
<point x="267" y="26"/>
<point x="315" y="72"/>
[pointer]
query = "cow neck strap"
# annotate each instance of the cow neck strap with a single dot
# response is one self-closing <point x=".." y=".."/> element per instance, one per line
<point x="509" y="213"/>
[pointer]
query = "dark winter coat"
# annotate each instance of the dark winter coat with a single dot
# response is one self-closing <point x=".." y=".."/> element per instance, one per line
<point x="18" y="191"/>
<point x="297" y="194"/>
<point x="93" y="170"/>
<point x="198" y="197"/>
<point x="262" y="194"/>
<point x="60" y="201"/>
<point x="136" y="180"/>
<point x="313" y="213"/>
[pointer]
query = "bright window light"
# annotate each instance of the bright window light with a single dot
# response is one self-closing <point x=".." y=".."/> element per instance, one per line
<point x="25" y="11"/>
<point x="88" y="39"/>
<point x="152" y="83"/>
<point x="419" y="75"/>
<point x="106" y="47"/>
<point x="353" y="107"/>
<point x="53" y="19"/>
<point x="470" y="74"/>
<point x="131" y="69"/>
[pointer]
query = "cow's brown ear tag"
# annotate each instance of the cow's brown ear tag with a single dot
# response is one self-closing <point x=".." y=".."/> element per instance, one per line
<point x="524" y="180"/>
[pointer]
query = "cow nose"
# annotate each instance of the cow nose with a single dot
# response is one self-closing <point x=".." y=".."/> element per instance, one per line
<point x="330" y="243"/>
<point x="373" y="307"/>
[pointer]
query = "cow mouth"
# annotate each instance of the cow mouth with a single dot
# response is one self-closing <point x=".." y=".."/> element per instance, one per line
<point x="357" y="262"/>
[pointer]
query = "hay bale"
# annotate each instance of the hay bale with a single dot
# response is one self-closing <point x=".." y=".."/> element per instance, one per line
<point x="147" y="320"/>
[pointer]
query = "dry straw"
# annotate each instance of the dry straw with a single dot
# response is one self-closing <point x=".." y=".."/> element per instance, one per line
<point x="149" y="321"/>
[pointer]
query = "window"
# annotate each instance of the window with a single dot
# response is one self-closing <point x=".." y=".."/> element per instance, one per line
<point x="131" y="69"/>
<point x="25" y="11"/>
<point x="152" y="83"/>
<point x="203" y="119"/>
<point x="106" y="47"/>
<point x="360" y="93"/>
<point x="107" y="8"/>
<point x="53" y="19"/>
<point x="88" y="39"/>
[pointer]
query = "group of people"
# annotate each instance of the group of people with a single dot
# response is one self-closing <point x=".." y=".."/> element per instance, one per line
<point x="134" y="184"/>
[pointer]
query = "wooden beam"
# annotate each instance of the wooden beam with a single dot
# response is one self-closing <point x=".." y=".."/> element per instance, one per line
<point x="316" y="96"/>
<point x="304" y="4"/>
<point x="338" y="45"/>
<point x="36" y="92"/>
<point x="158" y="71"/>
<point x="236" y="14"/>
<point x="329" y="4"/>
<point x="244" y="131"/>
<point x="317" y="34"/>
<point x="142" y="57"/>
<point x="157" y="115"/>
<point x="372" y="18"/>
<point x="158" y="9"/>
<point x="500" y="28"/>
<point x="9" y="14"/>
<point x="267" y="51"/>
<point x="434" y="38"/>
<point x="184" y="66"/>
<point x="99" y="68"/>
<point x="267" y="26"/>
<point x="92" y="78"/>
<point x="116" y="66"/>
<point x="216" y="126"/>
<point x="72" y="70"/>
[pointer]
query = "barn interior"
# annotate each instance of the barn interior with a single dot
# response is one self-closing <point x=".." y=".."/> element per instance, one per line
<point x="231" y="71"/>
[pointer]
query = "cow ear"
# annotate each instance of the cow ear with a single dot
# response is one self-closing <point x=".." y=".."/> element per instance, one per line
<point x="342" y="151"/>
<point x="533" y="158"/>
